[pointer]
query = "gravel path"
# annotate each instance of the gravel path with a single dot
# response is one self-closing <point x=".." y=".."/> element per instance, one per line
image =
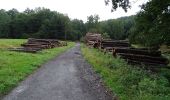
<point x="66" y="77"/>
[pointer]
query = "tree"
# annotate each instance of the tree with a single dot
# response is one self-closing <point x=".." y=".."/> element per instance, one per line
<point x="54" y="27"/>
<point x="92" y="24"/>
<point x="78" y="29"/>
<point x="152" y="23"/>
<point x="4" y="23"/>
<point x="124" y="4"/>
<point x="118" y="28"/>
<point x="39" y="23"/>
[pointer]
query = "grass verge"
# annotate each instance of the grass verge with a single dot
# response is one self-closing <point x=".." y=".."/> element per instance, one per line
<point x="126" y="81"/>
<point x="15" y="66"/>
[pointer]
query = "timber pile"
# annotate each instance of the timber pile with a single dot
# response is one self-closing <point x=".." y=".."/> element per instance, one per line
<point x="141" y="56"/>
<point x="35" y="45"/>
<point x="93" y="39"/>
<point x="123" y="49"/>
<point x="108" y="45"/>
<point x="114" y="43"/>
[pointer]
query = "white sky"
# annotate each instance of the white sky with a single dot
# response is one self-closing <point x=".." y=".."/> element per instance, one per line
<point x="79" y="9"/>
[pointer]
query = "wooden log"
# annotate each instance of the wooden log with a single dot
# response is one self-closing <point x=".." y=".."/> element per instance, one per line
<point x="138" y="51"/>
<point x="24" y="50"/>
<point x="149" y="64"/>
<point x="144" y="58"/>
<point x="43" y="40"/>
<point x="149" y="49"/>
<point x="93" y="37"/>
<point x="50" y="42"/>
<point x="35" y="45"/>
<point x="30" y="48"/>
<point x="115" y="41"/>
<point x="104" y="45"/>
<point x="96" y="45"/>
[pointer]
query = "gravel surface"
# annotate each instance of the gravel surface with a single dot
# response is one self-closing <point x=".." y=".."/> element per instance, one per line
<point x="66" y="77"/>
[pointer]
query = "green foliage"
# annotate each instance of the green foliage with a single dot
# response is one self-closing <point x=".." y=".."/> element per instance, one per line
<point x="105" y="36"/>
<point x="4" y="23"/>
<point x="118" y="28"/>
<point x="92" y="24"/>
<point x="126" y="81"/>
<point x="78" y="29"/>
<point x="124" y="4"/>
<point x="152" y="23"/>
<point x="43" y="23"/>
<point x="15" y="66"/>
<point x="39" y="23"/>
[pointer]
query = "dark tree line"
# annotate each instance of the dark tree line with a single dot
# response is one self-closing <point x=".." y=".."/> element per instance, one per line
<point x="39" y="23"/>
<point x="43" y="23"/>
<point x="113" y="28"/>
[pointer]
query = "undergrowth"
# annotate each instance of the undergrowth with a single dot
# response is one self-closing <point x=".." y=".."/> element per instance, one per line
<point x="128" y="82"/>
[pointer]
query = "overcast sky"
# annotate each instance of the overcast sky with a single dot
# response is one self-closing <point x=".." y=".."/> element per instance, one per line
<point x="79" y="9"/>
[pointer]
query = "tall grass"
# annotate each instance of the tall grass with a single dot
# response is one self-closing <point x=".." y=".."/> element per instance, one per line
<point x="126" y="81"/>
<point x="15" y="66"/>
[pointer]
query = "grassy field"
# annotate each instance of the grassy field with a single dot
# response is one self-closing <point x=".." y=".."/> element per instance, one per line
<point x="126" y="81"/>
<point x="15" y="66"/>
<point x="7" y="43"/>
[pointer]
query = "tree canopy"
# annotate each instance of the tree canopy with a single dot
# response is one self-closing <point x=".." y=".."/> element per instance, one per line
<point x="152" y="23"/>
<point x="39" y="23"/>
<point x="124" y="4"/>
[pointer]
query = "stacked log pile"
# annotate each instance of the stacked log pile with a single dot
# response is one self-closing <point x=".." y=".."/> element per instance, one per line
<point x="93" y="39"/>
<point x="123" y="49"/>
<point x="141" y="56"/>
<point x="108" y="45"/>
<point x="35" y="45"/>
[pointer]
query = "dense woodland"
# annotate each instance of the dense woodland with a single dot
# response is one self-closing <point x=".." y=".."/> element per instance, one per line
<point x="150" y="27"/>
<point x="43" y="23"/>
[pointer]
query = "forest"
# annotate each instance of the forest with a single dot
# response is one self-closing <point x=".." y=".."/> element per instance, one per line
<point x="149" y="27"/>
<point x="43" y="23"/>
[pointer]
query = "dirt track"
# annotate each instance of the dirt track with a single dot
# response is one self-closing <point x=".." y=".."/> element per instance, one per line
<point x="66" y="77"/>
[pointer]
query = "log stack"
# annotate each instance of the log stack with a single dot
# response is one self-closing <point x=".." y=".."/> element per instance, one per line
<point x="114" y="43"/>
<point x="93" y="39"/>
<point x="34" y="45"/>
<point x="123" y="49"/>
<point x="108" y="45"/>
<point x="141" y="56"/>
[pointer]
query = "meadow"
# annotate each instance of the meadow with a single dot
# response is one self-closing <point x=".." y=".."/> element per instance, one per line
<point x="15" y="66"/>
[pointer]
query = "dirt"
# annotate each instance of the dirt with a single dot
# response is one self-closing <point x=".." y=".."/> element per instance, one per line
<point x="66" y="77"/>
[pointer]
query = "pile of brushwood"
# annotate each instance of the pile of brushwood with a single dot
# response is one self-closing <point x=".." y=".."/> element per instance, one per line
<point x="124" y="50"/>
<point x="34" y="45"/>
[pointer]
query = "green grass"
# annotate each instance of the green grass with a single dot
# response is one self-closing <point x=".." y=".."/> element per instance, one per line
<point x="7" y="43"/>
<point x="126" y="81"/>
<point x="15" y="66"/>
